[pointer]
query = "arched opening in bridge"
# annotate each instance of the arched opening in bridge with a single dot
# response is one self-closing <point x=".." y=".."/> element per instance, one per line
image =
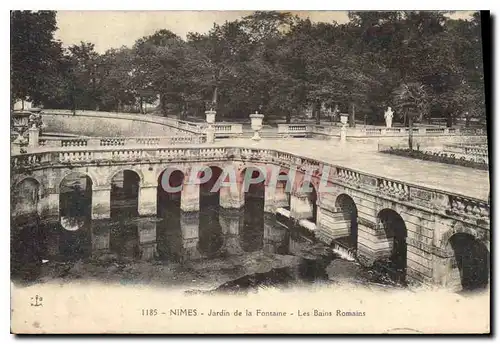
<point x="210" y="230"/>
<point x="125" y="194"/>
<point x="252" y="234"/>
<point x="472" y="260"/>
<point x="124" y="212"/>
<point x="395" y="257"/>
<point x="168" y="233"/>
<point x="27" y="236"/>
<point x="350" y="215"/>
<point x="75" y="210"/>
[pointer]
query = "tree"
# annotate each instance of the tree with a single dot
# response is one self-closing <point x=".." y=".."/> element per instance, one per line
<point x="411" y="100"/>
<point x="34" y="54"/>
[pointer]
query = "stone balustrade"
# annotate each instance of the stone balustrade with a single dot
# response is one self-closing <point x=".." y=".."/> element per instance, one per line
<point x="294" y="130"/>
<point x="228" y="129"/>
<point x="303" y="130"/>
<point x="434" y="200"/>
<point x="122" y="141"/>
<point x="221" y="129"/>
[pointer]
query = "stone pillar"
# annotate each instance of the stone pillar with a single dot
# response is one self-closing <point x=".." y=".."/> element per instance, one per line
<point x="301" y="207"/>
<point x="332" y="225"/>
<point x="232" y="197"/>
<point x="147" y="200"/>
<point x="269" y="199"/>
<point x="445" y="272"/>
<point x="33" y="137"/>
<point x="373" y="243"/>
<point x="101" y="202"/>
<point x="147" y="238"/>
<point x="49" y="204"/>
<point x="190" y="197"/>
<point x="231" y="220"/>
<point x="190" y="225"/>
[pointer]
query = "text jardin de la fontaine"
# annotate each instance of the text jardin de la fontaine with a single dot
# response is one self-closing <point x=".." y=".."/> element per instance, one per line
<point x="265" y="313"/>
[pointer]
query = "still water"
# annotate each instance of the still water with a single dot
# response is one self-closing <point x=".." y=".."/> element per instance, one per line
<point x="233" y="249"/>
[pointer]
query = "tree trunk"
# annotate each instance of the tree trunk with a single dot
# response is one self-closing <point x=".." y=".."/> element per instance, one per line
<point x="317" y="109"/>
<point x="352" y="120"/>
<point x="449" y="120"/>
<point x="467" y="121"/>
<point x="288" y="117"/>
<point x="410" y="133"/>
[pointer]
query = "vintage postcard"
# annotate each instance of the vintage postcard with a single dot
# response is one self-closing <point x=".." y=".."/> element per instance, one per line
<point x="249" y="172"/>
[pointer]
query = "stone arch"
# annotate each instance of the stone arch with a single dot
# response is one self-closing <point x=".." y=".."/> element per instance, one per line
<point x="69" y="172"/>
<point x="458" y="227"/>
<point x="75" y="207"/>
<point x="468" y="262"/>
<point x="347" y="206"/>
<point x="313" y="182"/>
<point x="119" y="169"/>
<point x="394" y="254"/>
<point x="124" y="199"/>
<point x="26" y="195"/>
<point x="168" y="199"/>
<point x="161" y="169"/>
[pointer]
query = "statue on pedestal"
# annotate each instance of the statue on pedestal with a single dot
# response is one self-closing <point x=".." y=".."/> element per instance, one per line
<point x="388" y="117"/>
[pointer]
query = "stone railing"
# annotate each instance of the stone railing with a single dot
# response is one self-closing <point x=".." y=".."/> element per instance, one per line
<point x="473" y="210"/>
<point x="188" y="127"/>
<point x="228" y="129"/>
<point x="221" y="129"/>
<point x="122" y="141"/>
<point x="296" y="130"/>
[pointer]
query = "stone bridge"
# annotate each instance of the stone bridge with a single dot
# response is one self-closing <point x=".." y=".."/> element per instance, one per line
<point x="377" y="211"/>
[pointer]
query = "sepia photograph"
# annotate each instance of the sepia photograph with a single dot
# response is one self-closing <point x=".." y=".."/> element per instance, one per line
<point x="257" y="172"/>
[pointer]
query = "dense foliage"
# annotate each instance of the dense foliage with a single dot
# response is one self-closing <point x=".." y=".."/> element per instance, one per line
<point x="271" y="61"/>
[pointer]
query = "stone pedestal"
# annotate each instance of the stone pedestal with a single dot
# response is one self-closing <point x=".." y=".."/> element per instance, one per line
<point x="256" y="122"/>
<point x="343" y="129"/>
<point x="190" y="198"/>
<point x="33" y="139"/>
<point x="101" y="203"/>
<point x="210" y="131"/>
<point x="147" y="200"/>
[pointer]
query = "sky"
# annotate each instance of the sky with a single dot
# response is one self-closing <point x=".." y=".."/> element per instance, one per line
<point x="113" y="29"/>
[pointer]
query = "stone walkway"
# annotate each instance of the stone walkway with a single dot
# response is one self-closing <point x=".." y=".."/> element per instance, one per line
<point x="365" y="158"/>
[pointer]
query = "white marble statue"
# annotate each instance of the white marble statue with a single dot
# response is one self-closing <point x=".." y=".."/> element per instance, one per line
<point x="388" y="117"/>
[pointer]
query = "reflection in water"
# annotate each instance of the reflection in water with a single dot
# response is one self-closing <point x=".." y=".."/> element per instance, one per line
<point x="178" y="237"/>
